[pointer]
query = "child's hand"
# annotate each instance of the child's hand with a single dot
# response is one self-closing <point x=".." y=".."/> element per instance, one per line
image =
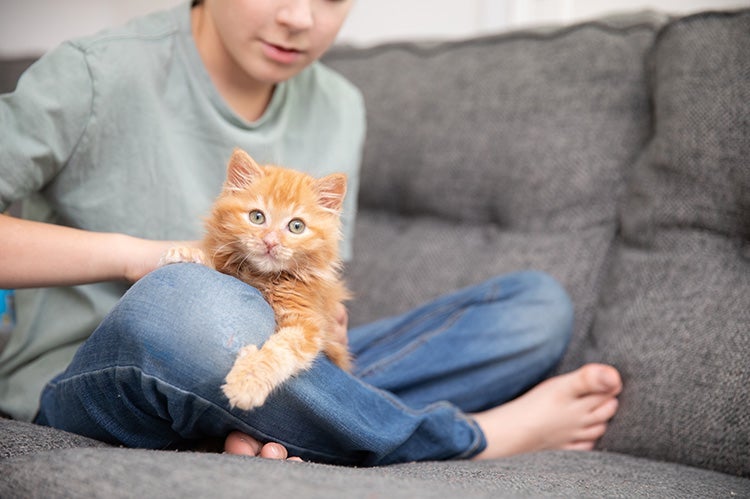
<point x="342" y="324"/>
<point x="141" y="256"/>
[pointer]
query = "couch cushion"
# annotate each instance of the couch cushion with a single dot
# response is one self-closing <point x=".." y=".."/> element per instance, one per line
<point x="675" y="315"/>
<point x="10" y="72"/>
<point x="492" y="155"/>
<point x="114" y="473"/>
<point x="18" y="438"/>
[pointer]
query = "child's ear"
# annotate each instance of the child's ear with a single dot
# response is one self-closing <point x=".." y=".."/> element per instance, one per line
<point x="331" y="191"/>
<point x="242" y="170"/>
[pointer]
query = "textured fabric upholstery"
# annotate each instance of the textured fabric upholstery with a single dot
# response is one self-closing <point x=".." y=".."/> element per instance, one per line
<point x="115" y="473"/>
<point x="18" y="438"/>
<point x="675" y="310"/>
<point x="493" y="155"/>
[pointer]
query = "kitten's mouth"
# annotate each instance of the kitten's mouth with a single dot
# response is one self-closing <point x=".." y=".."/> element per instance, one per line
<point x="272" y="252"/>
<point x="271" y="257"/>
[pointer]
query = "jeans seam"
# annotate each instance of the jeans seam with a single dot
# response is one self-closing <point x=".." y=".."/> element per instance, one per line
<point x="411" y="346"/>
<point x="490" y="296"/>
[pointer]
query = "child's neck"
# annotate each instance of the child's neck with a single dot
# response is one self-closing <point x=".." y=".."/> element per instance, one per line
<point x="249" y="104"/>
<point x="247" y="97"/>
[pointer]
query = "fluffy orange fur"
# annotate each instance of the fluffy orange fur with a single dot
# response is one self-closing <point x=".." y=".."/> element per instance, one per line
<point x="278" y="230"/>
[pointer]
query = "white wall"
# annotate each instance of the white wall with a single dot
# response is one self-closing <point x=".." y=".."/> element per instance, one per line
<point x="373" y="21"/>
<point x="29" y="27"/>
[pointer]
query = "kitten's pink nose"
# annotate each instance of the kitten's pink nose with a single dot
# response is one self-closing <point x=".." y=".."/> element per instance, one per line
<point x="271" y="240"/>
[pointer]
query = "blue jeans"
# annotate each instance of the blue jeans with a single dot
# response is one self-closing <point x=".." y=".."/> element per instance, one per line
<point x="150" y="375"/>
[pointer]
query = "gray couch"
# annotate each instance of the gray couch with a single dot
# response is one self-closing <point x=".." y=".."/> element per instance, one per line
<point x="613" y="154"/>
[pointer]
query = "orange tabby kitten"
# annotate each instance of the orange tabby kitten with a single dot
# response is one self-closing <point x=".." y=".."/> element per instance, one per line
<point x="278" y="230"/>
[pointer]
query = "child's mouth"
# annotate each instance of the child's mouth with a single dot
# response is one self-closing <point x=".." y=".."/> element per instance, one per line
<point x="281" y="54"/>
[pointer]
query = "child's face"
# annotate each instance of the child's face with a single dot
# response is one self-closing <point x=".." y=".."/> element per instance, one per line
<point x="272" y="40"/>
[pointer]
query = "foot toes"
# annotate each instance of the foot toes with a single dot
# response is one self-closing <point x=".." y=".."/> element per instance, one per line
<point x="241" y="444"/>
<point x="596" y="378"/>
<point x="591" y="434"/>
<point x="606" y="411"/>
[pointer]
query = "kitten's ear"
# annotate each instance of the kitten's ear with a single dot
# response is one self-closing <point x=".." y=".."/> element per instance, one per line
<point x="242" y="170"/>
<point x="331" y="190"/>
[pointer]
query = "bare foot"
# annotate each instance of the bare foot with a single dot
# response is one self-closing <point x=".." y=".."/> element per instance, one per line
<point x="245" y="445"/>
<point x="569" y="411"/>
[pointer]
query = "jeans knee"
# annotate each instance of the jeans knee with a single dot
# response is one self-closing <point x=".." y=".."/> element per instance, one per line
<point x="183" y="311"/>
<point x="554" y="309"/>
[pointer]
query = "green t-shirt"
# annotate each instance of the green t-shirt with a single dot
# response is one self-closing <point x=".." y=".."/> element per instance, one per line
<point x="124" y="132"/>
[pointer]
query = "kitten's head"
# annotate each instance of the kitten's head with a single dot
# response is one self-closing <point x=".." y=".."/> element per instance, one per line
<point x="276" y="220"/>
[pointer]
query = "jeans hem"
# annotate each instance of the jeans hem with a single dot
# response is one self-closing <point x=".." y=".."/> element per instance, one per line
<point x="477" y="445"/>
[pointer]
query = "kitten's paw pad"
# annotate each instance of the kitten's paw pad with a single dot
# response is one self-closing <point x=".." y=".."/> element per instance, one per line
<point x="245" y="387"/>
<point x="182" y="254"/>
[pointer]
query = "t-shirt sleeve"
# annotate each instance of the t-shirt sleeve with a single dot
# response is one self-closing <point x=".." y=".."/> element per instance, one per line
<point x="43" y="121"/>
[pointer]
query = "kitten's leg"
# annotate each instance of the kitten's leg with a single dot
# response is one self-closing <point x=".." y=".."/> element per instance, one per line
<point x="257" y="372"/>
<point x="182" y="254"/>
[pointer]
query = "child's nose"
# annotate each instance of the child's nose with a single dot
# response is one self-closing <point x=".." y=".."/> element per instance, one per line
<point x="296" y="14"/>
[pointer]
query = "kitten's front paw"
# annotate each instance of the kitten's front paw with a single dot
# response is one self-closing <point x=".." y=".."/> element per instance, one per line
<point x="182" y="254"/>
<point x="244" y="386"/>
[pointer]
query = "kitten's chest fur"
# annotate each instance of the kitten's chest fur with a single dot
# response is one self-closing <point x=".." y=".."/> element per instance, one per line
<point x="305" y="326"/>
<point x="313" y="298"/>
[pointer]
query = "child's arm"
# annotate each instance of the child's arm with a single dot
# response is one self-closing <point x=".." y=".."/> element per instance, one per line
<point x="34" y="254"/>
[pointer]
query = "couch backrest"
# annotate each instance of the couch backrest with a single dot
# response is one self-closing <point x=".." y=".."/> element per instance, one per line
<point x="675" y="311"/>
<point x="11" y="70"/>
<point x="495" y="154"/>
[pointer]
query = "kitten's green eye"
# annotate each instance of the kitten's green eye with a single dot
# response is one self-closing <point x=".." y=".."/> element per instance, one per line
<point x="257" y="217"/>
<point x="296" y="226"/>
